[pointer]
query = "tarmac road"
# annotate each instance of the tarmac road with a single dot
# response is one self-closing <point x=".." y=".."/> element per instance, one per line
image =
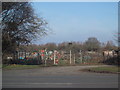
<point x="58" y="77"/>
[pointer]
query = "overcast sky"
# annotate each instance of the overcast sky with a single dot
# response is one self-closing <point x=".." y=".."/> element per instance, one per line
<point x="76" y="21"/>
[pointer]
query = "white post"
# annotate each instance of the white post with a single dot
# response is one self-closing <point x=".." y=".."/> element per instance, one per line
<point x="54" y="56"/>
<point x="45" y="61"/>
<point x="42" y="58"/>
<point x="81" y="56"/>
<point x="74" y="58"/>
<point x="70" y="56"/>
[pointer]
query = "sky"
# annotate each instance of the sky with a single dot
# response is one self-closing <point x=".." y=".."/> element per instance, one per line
<point x="77" y="21"/>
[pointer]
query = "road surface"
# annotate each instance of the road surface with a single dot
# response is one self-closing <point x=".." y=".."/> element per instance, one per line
<point x="58" y="77"/>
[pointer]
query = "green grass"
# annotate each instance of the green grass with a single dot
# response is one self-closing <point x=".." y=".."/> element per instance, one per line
<point x="110" y="69"/>
<point x="20" y="67"/>
<point x="0" y="65"/>
<point x="9" y="67"/>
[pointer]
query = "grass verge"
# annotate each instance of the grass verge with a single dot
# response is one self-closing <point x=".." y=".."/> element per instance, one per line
<point x="109" y="69"/>
<point x="14" y="66"/>
<point x="21" y="67"/>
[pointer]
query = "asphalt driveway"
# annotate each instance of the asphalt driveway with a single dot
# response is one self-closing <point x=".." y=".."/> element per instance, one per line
<point x="58" y="77"/>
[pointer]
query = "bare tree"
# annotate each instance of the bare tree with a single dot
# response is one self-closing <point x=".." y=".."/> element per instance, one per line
<point x="92" y="44"/>
<point x="20" y="25"/>
<point x="109" y="46"/>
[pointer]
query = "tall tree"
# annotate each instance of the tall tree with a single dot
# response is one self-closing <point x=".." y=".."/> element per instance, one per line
<point x="20" y="25"/>
<point x="51" y="46"/>
<point x="109" y="46"/>
<point x="92" y="44"/>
